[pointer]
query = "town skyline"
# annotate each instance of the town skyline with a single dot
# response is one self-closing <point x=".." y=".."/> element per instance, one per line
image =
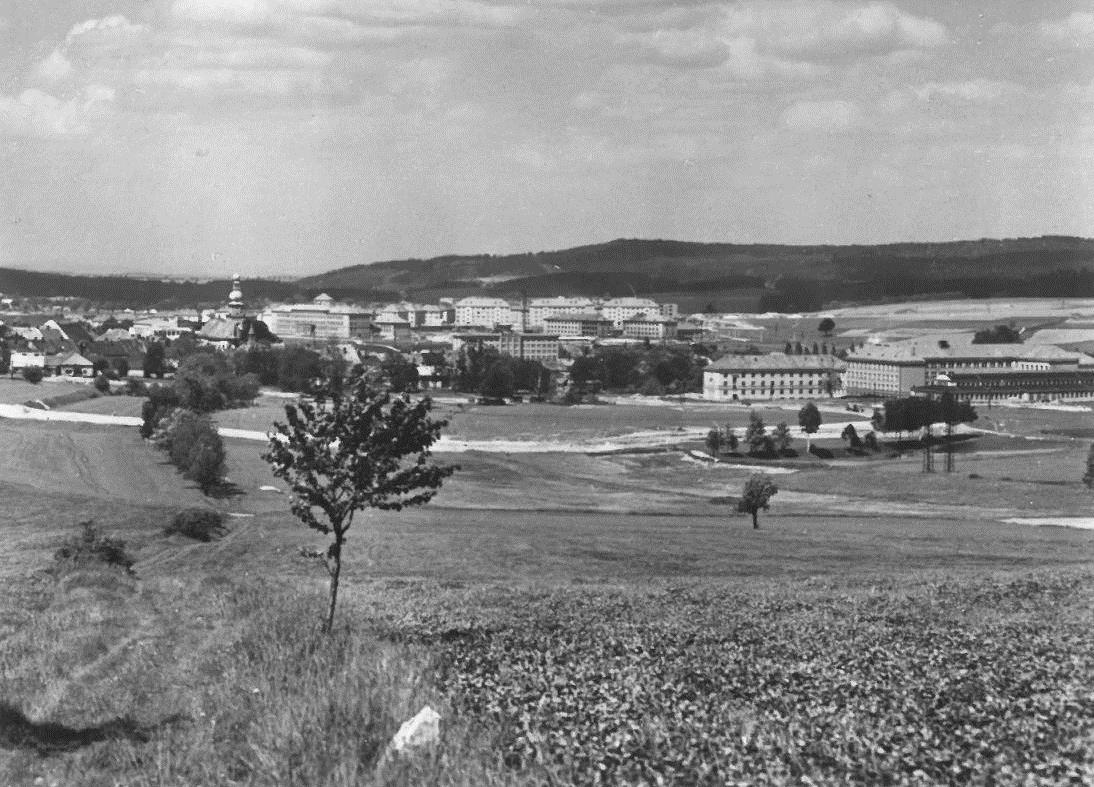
<point x="298" y="136"/>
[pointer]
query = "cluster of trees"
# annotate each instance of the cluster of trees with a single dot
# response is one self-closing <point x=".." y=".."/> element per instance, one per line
<point x="494" y="375"/>
<point x="757" y="440"/>
<point x="1000" y="334"/>
<point x="175" y="416"/>
<point x="914" y="413"/>
<point x="191" y="442"/>
<point x="291" y="368"/>
<point x="797" y="348"/>
<point x="654" y="370"/>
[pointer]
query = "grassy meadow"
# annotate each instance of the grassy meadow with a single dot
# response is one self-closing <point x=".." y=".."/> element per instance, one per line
<point x="575" y="618"/>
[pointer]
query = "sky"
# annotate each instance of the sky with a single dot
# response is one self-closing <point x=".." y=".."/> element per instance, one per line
<point x="288" y="137"/>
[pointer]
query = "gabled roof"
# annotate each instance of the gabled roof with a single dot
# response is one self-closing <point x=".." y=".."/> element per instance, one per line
<point x="774" y="362"/>
<point x="67" y="359"/>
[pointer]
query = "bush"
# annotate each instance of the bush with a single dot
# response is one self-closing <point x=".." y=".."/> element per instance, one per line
<point x="135" y="387"/>
<point x="193" y="445"/>
<point x="102" y="385"/>
<point x="201" y="524"/>
<point x="161" y="401"/>
<point x="205" y="464"/>
<point x="91" y="547"/>
<point x="33" y="374"/>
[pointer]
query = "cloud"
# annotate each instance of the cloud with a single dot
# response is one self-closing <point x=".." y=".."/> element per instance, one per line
<point x="831" y="30"/>
<point x="391" y="12"/>
<point x="39" y="114"/>
<point x="823" y="116"/>
<point x="54" y="68"/>
<point x="1075" y="30"/>
<point x="976" y="91"/>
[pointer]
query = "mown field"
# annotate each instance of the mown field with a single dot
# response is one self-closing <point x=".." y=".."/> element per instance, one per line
<point x="576" y="619"/>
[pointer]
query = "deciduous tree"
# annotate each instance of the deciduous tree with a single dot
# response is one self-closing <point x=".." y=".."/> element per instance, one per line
<point x="758" y="491"/>
<point x="714" y="442"/>
<point x="756" y="434"/>
<point x="354" y="446"/>
<point x="809" y="419"/>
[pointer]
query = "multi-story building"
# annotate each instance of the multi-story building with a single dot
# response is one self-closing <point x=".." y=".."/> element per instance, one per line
<point x="774" y="376"/>
<point x="618" y="310"/>
<point x="587" y="324"/>
<point x="320" y="319"/>
<point x="528" y="346"/>
<point x="540" y="309"/>
<point x="896" y="369"/>
<point x="477" y="311"/>
<point x="654" y="328"/>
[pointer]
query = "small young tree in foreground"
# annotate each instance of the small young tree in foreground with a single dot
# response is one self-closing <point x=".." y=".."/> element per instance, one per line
<point x="759" y="489"/>
<point x="354" y="446"/>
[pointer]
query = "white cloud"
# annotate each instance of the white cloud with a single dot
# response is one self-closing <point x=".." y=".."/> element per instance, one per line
<point x="36" y="113"/>
<point x="114" y="25"/>
<point x="824" y="116"/>
<point x="54" y="68"/>
<point x="976" y="91"/>
<point x="1075" y="30"/>
<point x="396" y="12"/>
<point x="835" y="30"/>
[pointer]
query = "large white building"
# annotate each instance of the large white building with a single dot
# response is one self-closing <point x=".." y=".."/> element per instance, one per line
<point x="483" y="312"/>
<point x="540" y="309"/>
<point x="619" y="310"/>
<point x="320" y="319"/>
<point x="773" y="376"/>
<point x="895" y="369"/>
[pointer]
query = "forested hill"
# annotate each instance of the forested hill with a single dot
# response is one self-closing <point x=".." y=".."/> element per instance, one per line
<point x="777" y="276"/>
<point x="759" y="276"/>
<point x="127" y="291"/>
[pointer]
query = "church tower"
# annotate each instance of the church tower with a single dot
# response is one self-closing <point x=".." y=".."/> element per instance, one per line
<point x="235" y="298"/>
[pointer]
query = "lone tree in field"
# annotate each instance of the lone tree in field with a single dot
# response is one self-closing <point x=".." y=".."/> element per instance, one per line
<point x="826" y="326"/>
<point x="1088" y="477"/>
<point x="354" y="446"/>
<point x="759" y="489"/>
<point x="714" y="442"/>
<point x="809" y="419"/>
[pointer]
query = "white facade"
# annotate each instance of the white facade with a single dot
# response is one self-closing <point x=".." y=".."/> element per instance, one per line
<point x="619" y="310"/>
<point x="774" y="376"/>
<point x="654" y="328"/>
<point x="539" y="309"/>
<point x="484" y="312"/>
<point x="22" y="360"/>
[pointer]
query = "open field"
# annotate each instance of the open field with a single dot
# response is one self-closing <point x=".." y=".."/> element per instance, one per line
<point x="573" y="616"/>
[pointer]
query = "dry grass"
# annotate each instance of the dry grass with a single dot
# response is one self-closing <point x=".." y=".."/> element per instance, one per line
<point x="205" y="668"/>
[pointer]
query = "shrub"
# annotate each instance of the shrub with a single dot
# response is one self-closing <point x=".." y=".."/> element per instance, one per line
<point x="135" y="387"/>
<point x="205" y="464"/>
<point x="161" y="401"/>
<point x="201" y="524"/>
<point x="193" y="446"/>
<point x="90" y="547"/>
<point x="33" y="374"/>
<point x="102" y="385"/>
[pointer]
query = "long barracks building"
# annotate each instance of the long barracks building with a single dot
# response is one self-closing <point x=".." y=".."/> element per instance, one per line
<point x="972" y="372"/>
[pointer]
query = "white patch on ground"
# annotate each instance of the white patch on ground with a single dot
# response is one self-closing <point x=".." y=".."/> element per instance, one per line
<point x="21" y="412"/>
<point x="1081" y="522"/>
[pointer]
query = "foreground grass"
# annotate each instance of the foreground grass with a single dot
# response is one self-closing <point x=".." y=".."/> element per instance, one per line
<point x="218" y="680"/>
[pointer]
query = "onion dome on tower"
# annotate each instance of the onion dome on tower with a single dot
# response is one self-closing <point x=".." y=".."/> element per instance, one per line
<point x="235" y="298"/>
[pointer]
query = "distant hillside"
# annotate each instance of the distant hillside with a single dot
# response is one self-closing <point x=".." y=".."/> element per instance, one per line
<point x="125" y="291"/>
<point x="767" y="275"/>
<point x="727" y="276"/>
